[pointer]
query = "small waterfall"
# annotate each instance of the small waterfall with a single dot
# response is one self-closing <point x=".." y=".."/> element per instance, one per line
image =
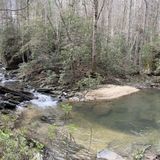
<point x="43" y="101"/>
<point x="2" y="74"/>
<point x="6" y="81"/>
<point x="1" y="77"/>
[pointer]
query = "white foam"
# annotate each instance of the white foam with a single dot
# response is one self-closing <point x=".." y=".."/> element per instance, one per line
<point x="43" y="101"/>
<point x="2" y="77"/>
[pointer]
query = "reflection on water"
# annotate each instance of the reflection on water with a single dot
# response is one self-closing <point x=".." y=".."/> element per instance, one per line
<point x="128" y="119"/>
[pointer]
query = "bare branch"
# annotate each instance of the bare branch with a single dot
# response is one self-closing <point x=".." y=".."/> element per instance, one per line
<point x="101" y="9"/>
<point x="59" y="6"/>
<point x="15" y="10"/>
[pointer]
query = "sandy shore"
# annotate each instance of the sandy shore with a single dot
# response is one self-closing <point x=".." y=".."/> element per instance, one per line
<point x="106" y="92"/>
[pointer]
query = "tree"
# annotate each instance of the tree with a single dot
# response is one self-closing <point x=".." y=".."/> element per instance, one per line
<point x="96" y="16"/>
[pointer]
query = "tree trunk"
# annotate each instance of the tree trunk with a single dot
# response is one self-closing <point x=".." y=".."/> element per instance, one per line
<point x="94" y="35"/>
<point x="129" y="22"/>
<point x="145" y="21"/>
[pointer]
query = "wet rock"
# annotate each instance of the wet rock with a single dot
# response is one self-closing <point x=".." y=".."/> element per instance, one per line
<point x="13" y="101"/>
<point x="7" y="105"/>
<point x="108" y="155"/>
<point x="44" y="90"/>
<point x="48" y="119"/>
<point x="21" y="95"/>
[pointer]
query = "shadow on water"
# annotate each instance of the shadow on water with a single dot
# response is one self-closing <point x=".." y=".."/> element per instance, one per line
<point x="136" y="113"/>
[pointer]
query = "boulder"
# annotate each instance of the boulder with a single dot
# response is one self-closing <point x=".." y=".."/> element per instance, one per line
<point x="49" y="119"/>
<point x="108" y="155"/>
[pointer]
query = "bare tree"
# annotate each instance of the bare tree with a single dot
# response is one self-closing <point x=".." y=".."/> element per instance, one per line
<point x="96" y="16"/>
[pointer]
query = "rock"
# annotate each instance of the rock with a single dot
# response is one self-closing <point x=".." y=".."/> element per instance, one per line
<point x="157" y="72"/>
<point x="74" y="99"/>
<point x="20" y="95"/>
<point x="108" y="155"/>
<point x="73" y="151"/>
<point x="44" y="90"/>
<point x="49" y="119"/>
<point x="70" y="94"/>
<point x="7" y="105"/>
<point x="56" y="93"/>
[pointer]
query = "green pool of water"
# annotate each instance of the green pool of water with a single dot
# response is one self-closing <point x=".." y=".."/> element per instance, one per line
<point x="134" y="118"/>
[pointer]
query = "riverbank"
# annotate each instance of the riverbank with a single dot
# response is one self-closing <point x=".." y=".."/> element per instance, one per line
<point x="105" y="92"/>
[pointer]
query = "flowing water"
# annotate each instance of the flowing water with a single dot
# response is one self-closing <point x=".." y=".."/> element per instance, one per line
<point x="41" y="100"/>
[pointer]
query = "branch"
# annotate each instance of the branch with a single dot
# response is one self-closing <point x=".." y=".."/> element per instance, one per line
<point x="15" y="10"/>
<point x="101" y="9"/>
<point x="59" y="6"/>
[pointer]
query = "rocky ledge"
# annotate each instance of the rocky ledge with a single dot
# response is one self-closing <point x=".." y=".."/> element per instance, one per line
<point x="10" y="98"/>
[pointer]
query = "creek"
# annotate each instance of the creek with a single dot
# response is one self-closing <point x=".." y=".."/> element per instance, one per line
<point x="113" y="124"/>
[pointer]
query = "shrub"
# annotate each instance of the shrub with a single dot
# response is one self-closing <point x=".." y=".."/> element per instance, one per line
<point x="150" y="52"/>
<point x="14" y="146"/>
<point x="114" y="57"/>
<point x="90" y="82"/>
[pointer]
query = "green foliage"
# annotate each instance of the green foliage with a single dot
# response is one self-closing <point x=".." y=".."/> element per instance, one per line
<point x="13" y="143"/>
<point x="89" y="82"/>
<point x="10" y="41"/>
<point x="52" y="132"/>
<point x="139" y="155"/>
<point x="147" y="56"/>
<point x="7" y="122"/>
<point x="75" y="53"/>
<point x="15" y="146"/>
<point x="71" y="128"/>
<point x="67" y="108"/>
<point x="149" y="53"/>
<point x="114" y="56"/>
<point x="39" y="146"/>
<point x="42" y="42"/>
